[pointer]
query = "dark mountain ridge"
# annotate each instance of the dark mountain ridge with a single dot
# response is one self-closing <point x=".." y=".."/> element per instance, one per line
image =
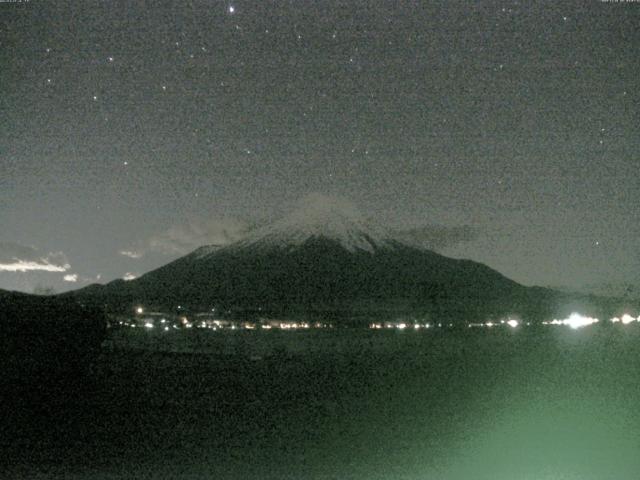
<point x="326" y="259"/>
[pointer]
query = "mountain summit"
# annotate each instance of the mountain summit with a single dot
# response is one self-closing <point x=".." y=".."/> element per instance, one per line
<point x="317" y="217"/>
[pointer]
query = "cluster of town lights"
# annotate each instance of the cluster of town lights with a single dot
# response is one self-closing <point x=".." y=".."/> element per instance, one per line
<point x="574" y="321"/>
<point x="166" y="322"/>
<point x="227" y="325"/>
<point x="511" y="322"/>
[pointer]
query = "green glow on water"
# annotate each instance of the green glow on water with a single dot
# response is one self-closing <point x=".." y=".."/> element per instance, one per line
<point x="484" y="404"/>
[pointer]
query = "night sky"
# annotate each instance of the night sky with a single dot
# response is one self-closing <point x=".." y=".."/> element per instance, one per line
<point x="133" y="132"/>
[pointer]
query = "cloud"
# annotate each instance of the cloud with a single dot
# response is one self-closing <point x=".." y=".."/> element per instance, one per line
<point x="20" y="258"/>
<point x="186" y="238"/>
<point x="129" y="276"/>
<point x="131" y="253"/>
<point x="438" y="237"/>
<point x="71" y="277"/>
<point x="183" y="239"/>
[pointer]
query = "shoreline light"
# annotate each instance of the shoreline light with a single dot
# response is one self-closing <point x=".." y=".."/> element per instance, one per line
<point x="576" y="321"/>
<point x="627" y="319"/>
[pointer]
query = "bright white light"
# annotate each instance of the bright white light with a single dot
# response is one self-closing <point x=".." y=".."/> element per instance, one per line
<point x="512" y="323"/>
<point x="576" y="321"/>
<point x="148" y="325"/>
<point x="402" y="326"/>
<point x="627" y="319"/>
<point x="231" y="9"/>
<point x="139" y="310"/>
<point x="489" y="324"/>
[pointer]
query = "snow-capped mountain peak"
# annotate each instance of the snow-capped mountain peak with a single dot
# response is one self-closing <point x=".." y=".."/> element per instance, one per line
<point x="321" y="216"/>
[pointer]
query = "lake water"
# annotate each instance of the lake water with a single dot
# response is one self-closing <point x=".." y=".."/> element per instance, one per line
<point x="524" y="403"/>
